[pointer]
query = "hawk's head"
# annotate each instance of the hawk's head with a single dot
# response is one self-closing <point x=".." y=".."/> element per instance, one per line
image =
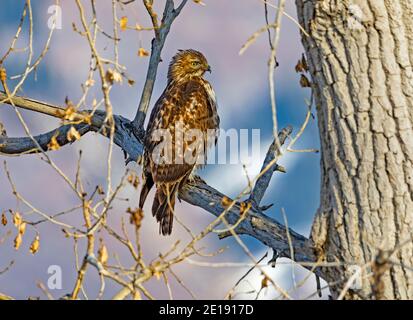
<point x="187" y="64"/>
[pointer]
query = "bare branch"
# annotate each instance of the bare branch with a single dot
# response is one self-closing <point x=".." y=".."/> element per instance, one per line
<point x="123" y="137"/>
<point x="262" y="183"/>
<point x="169" y="15"/>
<point x="25" y="145"/>
<point x="257" y="225"/>
<point x="198" y="193"/>
<point x="38" y="106"/>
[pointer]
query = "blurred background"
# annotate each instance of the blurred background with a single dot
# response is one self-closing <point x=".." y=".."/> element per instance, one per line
<point x="218" y="29"/>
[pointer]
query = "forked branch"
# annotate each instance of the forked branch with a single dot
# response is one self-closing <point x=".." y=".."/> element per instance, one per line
<point x="255" y="224"/>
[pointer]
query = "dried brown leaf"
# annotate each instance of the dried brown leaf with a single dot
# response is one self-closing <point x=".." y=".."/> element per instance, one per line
<point x="53" y="144"/>
<point x="226" y="202"/>
<point x="17" y="219"/>
<point x="136" y="216"/>
<point x="73" y="134"/>
<point x="22" y="228"/>
<point x="113" y="76"/>
<point x="34" y="247"/>
<point x="304" y="82"/>
<point x="244" y="207"/>
<point x="18" y="241"/>
<point x="103" y="255"/>
<point x="3" y="75"/>
<point x="3" y="219"/>
<point x="142" y="52"/>
<point x="133" y="179"/>
<point x="123" y="23"/>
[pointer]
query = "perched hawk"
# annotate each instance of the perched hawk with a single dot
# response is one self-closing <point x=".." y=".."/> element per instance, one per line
<point x="187" y="105"/>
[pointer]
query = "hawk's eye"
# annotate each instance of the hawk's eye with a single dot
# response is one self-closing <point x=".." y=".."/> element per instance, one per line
<point x="195" y="63"/>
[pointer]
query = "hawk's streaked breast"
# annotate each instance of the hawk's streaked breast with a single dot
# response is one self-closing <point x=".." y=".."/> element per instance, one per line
<point x="189" y="102"/>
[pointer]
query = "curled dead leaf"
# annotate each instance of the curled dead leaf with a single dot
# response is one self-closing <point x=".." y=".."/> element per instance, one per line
<point x="87" y="119"/>
<point x="113" y="76"/>
<point x="73" y="134"/>
<point x="90" y="83"/>
<point x="142" y="52"/>
<point x="244" y="207"/>
<point x="136" y="216"/>
<point x="103" y="255"/>
<point x="133" y="179"/>
<point x="156" y="270"/>
<point x="3" y="75"/>
<point x="53" y="144"/>
<point x="17" y="219"/>
<point x="34" y="247"/>
<point x="69" y="113"/>
<point x="226" y="202"/>
<point x="3" y="219"/>
<point x="123" y="23"/>
<point x="302" y="65"/>
<point x="199" y="2"/>
<point x="22" y="228"/>
<point x="18" y="241"/>
<point x="304" y="82"/>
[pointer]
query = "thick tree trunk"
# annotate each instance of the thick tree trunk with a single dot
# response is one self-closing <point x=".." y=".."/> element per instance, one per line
<point x="360" y="55"/>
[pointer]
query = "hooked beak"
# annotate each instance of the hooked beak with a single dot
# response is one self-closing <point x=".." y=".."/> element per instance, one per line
<point x="209" y="69"/>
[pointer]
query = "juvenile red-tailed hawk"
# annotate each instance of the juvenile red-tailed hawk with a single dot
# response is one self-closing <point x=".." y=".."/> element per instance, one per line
<point x="187" y="107"/>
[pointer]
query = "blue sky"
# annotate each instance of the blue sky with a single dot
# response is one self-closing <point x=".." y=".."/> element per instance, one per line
<point x="218" y="29"/>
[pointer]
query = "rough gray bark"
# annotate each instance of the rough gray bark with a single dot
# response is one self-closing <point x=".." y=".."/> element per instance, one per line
<point x="363" y="83"/>
<point x="128" y="136"/>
